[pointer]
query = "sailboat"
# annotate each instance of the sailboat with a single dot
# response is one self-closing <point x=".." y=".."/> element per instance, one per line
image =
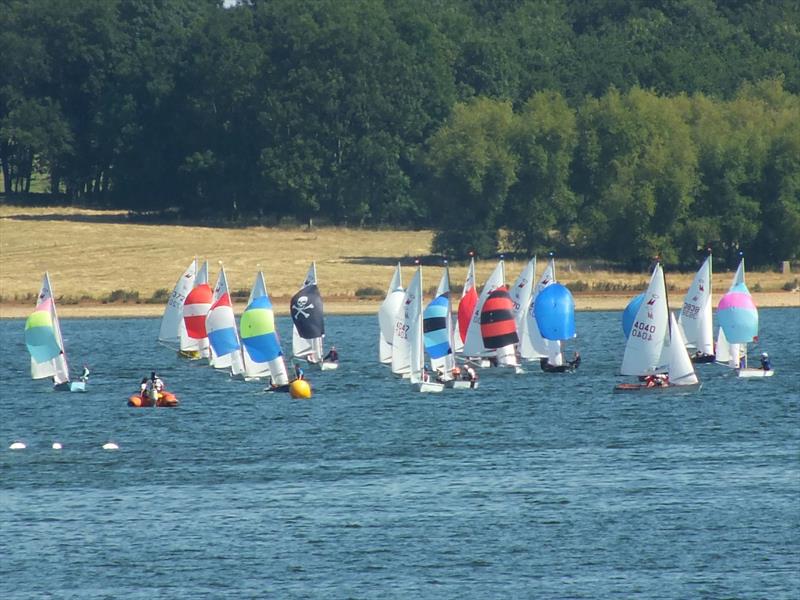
<point x="738" y="319"/>
<point x="260" y="339"/>
<point x="253" y="370"/>
<point x="173" y="330"/>
<point x="195" y="309"/>
<point x="412" y="317"/>
<point x="491" y="331"/>
<point x="438" y="335"/>
<point x="223" y="336"/>
<point x="387" y="313"/>
<point x="46" y="345"/>
<point x="308" y="323"/>
<point x="555" y="316"/>
<point x="532" y="345"/>
<point x="653" y="330"/>
<point x="466" y="307"/>
<point x="695" y="318"/>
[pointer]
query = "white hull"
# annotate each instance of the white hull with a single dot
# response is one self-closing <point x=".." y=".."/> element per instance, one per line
<point x="748" y="373"/>
<point x="77" y="386"/>
<point x="428" y="387"/>
<point x="635" y="387"/>
<point x="460" y="384"/>
<point x="329" y="366"/>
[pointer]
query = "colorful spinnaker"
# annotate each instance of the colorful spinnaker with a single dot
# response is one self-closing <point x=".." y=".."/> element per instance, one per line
<point x="737" y="315"/>
<point x="435" y="327"/>
<point x="40" y="335"/>
<point x="258" y="331"/>
<point x="221" y="328"/>
<point x="498" y="328"/>
<point x="195" y="310"/>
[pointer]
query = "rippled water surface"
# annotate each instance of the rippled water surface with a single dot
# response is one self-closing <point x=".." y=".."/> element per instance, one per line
<point x="535" y="486"/>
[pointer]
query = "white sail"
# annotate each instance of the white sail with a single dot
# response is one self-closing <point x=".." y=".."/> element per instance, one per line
<point x="413" y="314"/>
<point x="681" y="370"/>
<point x="532" y="345"/>
<point x="387" y="313"/>
<point x="473" y="343"/>
<point x="469" y="283"/>
<point x="650" y="328"/>
<point x="401" y="344"/>
<point x="57" y="367"/>
<point x="522" y="293"/>
<point x="696" y="315"/>
<point x="172" y="321"/>
<point x="723" y="350"/>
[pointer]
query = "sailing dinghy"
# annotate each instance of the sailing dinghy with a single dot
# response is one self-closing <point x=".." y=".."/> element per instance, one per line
<point x="308" y="323"/>
<point x="491" y="330"/>
<point x="260" y="339"/>
<point x="695" y="318"/>
<point x="738" y="320"/>
<point x="387" y="314"/>
<point x="655" y="330"/>
<point x="412" y="317"/>
<point x="46" y="345"/>
<point x="555" y="316"/>
<point x="223" y="336"/>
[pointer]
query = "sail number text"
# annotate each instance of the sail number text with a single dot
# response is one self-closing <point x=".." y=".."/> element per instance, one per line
<point x="643" y="330"/>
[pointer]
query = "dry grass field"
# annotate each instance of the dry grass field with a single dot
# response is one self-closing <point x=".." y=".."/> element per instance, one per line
<point x="92" y="254"/>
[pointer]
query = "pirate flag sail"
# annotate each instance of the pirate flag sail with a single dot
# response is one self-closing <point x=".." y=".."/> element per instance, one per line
<point x="306" y="306"/>
<point x="309" y="326"/>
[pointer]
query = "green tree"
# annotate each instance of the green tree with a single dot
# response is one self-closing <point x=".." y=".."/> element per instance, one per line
<point x="472" y="167"/>
<point x="541" y="202"/>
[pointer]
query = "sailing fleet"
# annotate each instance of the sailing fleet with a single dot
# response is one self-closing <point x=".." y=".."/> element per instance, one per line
<point x="435" y="345"/>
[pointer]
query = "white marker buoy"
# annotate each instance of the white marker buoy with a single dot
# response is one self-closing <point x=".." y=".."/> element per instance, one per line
<point x="17" y="446"/>
<point x="110" y="446"/>
<point x="56" y="445"/>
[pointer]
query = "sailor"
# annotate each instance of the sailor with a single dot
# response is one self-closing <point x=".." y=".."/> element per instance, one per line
<point x="469" y="373"/>
<point x="298" y="371"/>
<point x="143" y="386"/>
<point x="765" y="362"/>
<point x="85" y="374"/>
<point x="331" y="356"/>
<point x="576" y="360"/>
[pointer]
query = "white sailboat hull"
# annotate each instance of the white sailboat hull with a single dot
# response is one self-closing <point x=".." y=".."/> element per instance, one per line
<point x="750" y="373"/>
<point x="429" y="387"/>
<point x="461" y="384"/>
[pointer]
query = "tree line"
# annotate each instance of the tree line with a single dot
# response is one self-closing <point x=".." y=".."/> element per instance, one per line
<point x="601" y="128"/>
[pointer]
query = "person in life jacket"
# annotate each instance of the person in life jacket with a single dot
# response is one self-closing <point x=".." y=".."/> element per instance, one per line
<point x="298" y="372"/>
<point x="332" y="355"/>
<point x="765" y="362"/>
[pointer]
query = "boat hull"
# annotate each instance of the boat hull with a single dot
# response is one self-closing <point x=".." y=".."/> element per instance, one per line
<point x="428" y="387"/>
<point x="569" y="367"/>
<point x="461" y="384"/>
<point x="704" y="358"/>
<point x="165" y="400"/>
<point x="753" y="373"/>
<point x="639" y="387"/>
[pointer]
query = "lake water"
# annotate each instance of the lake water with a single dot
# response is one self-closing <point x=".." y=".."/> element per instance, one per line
<point x="534" y="486"/>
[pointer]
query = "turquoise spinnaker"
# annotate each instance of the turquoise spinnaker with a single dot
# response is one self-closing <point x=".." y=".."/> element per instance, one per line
<point x="40" y="335"/>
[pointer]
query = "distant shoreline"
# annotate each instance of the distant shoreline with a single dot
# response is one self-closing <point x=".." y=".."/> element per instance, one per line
<point x="583" y="302"/>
